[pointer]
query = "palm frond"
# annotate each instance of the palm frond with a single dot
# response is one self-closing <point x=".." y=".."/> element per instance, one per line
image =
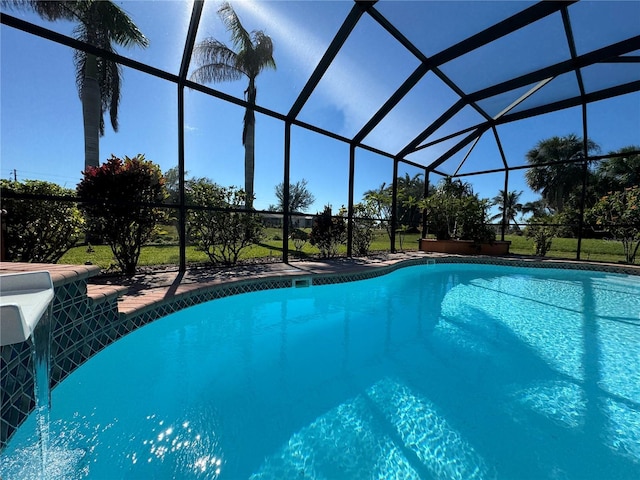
<point x="110" y="90"/>
<point x="49" y="10"/>
<point x="257" y="57"/>
<point x="79" y="61"/>
<point x="117" y="25"/>
<point x="216" y="62"/>
<point x="263" y="46"/>
<point x="215" y="72"/>
<point x="240" y="37"/>
<point x="211" y="50"/>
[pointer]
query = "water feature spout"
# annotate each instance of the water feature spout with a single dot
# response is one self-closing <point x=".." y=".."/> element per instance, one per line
<point x="24" y="300"/>
<point x="25" y="312"/>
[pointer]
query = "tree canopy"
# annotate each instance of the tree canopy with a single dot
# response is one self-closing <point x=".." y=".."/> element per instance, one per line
<point x="556" y="170"/>
<point x="300" y="198"/>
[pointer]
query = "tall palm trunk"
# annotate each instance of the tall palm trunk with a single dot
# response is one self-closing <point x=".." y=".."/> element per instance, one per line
<point x="91" y="112"/>
<point x="249" y="144"/>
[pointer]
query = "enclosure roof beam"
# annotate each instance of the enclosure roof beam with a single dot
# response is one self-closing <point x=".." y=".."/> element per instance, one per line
<point x="515" y="22"/>
<point x="500" y="149"/>
<point x="444" y="118"/>
<point x="523" y="97"/>
<point x="542" y="75"/>
<point x="566" y="21"/>
<point x="61" y="39"/>
<point x="196" y="14"/>
<point x="475" y="142"/>
<point x="618" y="90"/>
<point x="325" y="62"/>
<point x="459" y="146"/>
<point x="623" y="59"/>
<point x="406" y="86"/>
<point x="604" y="94"/>
<point x="426" y="65"/>
<point x="47" y="34"/>
<point x="507" y="26"/>
<point x="448" y="137"/>
<point x="410" y="163"/>
<point x="549" y="164"/>
<point x="398" y="95"/>
<point x="604" y="54"/>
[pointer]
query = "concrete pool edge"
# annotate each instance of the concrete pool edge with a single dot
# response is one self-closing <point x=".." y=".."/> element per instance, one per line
<point x="88" y="317"/>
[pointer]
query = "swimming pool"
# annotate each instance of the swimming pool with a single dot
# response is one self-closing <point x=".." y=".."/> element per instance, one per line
<point x="434" y="372"/>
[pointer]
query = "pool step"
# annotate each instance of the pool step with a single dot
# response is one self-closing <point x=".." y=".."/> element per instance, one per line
<point x="97" y="294"/>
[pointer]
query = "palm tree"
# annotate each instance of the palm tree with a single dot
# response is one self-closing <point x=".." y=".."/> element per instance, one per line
<point x="455" y="188"/>
<point x="410" y="193"/>
<point x="537" y="208"/>
<point x="101" y="24"/>
<point x="509" y="210"/>
<point x="556" y="183"/>
<point x="618" y="173"/>
<point x="219" y="63"/>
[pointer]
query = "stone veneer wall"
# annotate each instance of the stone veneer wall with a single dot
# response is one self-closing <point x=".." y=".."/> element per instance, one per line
<point x="82" y="327"/>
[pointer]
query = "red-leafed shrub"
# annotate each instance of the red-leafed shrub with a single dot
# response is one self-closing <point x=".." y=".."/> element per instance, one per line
<point x="118" y="199"/>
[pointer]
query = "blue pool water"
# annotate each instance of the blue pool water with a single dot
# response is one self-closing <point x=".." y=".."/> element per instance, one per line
<point x="431" y="372"/>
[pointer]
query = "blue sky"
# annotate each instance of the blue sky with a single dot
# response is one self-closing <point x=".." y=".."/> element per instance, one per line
<point x="41" y="118"/>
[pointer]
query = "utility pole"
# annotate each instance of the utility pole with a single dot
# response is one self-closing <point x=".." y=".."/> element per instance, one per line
<point x="15" y="175"/>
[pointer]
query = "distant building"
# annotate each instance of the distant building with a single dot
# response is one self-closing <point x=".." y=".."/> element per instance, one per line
<point x="274" y="220"/>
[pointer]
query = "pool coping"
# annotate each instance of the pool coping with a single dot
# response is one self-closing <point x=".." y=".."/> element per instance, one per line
<point x="147" y="291"/>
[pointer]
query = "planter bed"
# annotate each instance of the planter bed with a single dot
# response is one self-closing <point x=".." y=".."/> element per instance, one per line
<point x="464" y="247"/>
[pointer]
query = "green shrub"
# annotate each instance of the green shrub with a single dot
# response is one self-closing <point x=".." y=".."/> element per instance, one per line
<point x="619" y="213"/>
<point x="542" y="231"/>
<point x="327" y="233"/>
<point x="454" y="211"/>
<point x="299" y="238"/>
<point x="38" y="230"/>
<point x="116" y="198"/>
<point x="222" y="234"/>
<point x="363" y="227"/>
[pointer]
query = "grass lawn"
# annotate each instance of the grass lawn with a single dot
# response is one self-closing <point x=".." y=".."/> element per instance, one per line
<point x="271" y="246"/>
<point x="591" y="249"/>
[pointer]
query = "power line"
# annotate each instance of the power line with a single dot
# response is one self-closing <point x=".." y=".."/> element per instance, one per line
<point x="15" y="173"/>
